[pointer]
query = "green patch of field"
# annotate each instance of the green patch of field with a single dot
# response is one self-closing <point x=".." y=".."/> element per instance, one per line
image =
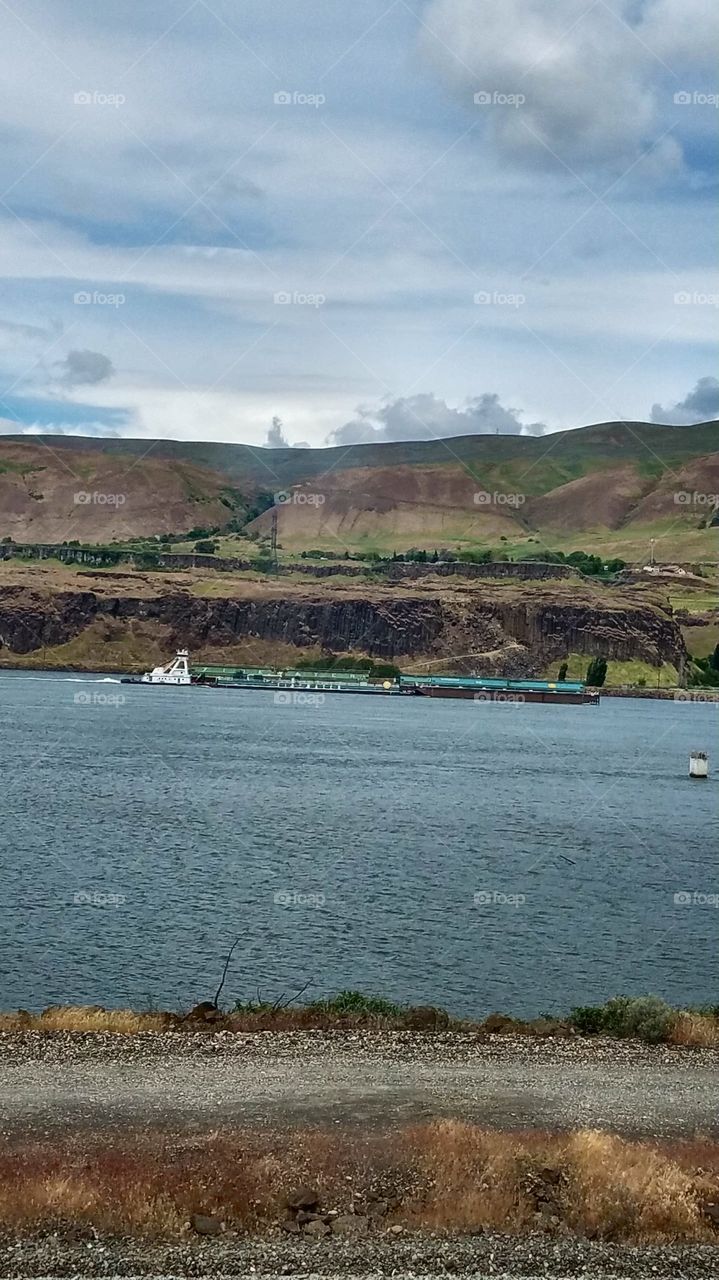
<point x="701" y="641"/>
<point x="673" y="543"/>
<point x="694" y="601"/>
<point x="620" y="675"/>
<point x="19" y="468"/>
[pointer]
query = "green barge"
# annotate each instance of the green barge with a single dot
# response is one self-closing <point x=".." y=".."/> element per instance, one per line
<point x="476" y="688"/>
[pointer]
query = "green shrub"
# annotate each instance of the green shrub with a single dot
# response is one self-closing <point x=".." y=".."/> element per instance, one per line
<point x="356" y="1002"/>
<point x="588" y="1019"/>
<point x="645" y="1017"/>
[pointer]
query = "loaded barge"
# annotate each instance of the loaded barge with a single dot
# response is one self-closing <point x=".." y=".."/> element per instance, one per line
<point x="475" y="688"/>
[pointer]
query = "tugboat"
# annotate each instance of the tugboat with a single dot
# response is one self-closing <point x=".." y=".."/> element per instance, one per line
<point x="177" y="671"/>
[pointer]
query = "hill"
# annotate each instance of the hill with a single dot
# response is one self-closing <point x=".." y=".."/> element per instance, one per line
<point x="608" y="487"/>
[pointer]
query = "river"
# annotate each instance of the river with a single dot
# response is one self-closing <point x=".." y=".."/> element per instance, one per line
<point x="476" y="856"/>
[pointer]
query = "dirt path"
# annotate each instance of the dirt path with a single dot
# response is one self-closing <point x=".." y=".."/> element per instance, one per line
<point x="198" y="1082"/>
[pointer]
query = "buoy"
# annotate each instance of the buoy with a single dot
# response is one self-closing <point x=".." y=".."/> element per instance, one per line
<point x="698" y="764"/>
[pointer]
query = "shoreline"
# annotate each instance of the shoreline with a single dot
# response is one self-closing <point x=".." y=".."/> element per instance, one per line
<point x="672" y="694"/>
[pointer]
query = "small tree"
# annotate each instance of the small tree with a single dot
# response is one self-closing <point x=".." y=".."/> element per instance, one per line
<point x="206" y="548"/>
<point x="597" y="672"/>
<point x="562" y="673"/>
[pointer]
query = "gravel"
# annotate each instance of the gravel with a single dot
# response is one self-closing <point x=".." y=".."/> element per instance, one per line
<point x="51" y="1081"/>
<point x="411" y="1255"/>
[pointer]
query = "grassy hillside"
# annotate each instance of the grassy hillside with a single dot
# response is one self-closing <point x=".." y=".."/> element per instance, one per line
<point x="542" y="463"/>
<point x="607" y="489"/>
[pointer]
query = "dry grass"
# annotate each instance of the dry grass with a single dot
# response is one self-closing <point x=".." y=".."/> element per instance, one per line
<point x="695" y="1029"/>
<point x="446" y="1176"/>
<point x="86" y="1018"/>
<point x="689" y="1029"/>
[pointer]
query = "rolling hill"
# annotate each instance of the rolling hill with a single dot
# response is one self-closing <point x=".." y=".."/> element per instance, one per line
<point x="611" y="486"/>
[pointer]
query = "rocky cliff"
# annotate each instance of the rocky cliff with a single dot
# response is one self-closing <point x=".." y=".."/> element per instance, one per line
<point x="508" y="628"/>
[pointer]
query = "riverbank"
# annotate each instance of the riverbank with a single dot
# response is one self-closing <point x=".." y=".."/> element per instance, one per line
<point x="200" y="1149"/>
<point x="646" y="1018"/>
<point x="356" y="1153"/>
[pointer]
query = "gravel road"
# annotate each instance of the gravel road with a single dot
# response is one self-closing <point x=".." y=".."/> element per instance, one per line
<point x="188" y="1081"/>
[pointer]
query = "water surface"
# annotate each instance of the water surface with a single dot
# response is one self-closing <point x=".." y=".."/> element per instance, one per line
<point x="477" y="856"/>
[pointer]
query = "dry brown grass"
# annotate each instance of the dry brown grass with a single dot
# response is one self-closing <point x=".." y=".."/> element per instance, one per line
<point x="446" y="1176"/>
<point x="695" y="1029"/>
<point x="85" y="1018"/>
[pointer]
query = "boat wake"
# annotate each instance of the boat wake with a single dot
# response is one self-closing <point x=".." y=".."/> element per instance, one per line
<point x="90" y="680"/>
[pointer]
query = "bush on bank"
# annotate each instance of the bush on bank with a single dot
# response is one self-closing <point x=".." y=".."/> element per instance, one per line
<point x="646" y="1018"/>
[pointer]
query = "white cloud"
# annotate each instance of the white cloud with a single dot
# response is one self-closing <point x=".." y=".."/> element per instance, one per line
<point x="421" y="416"/>
<point x="701" y="404"/>
<point x="594" y="84"/>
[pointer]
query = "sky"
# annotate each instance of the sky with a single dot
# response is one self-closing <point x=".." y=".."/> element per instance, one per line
<point x="308" y="222"/>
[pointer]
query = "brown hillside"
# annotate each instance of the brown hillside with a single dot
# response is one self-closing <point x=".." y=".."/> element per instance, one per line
<point x="601" y="499"/>
<point x="420" y="504"/>
<point x="686" y="492"/>
<point x="56" y="497"/>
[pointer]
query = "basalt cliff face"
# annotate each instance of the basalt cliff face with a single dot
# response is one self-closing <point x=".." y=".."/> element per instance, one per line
<point x="507" y="629"/>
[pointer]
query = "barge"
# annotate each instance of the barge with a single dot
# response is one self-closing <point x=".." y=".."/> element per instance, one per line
<point x="475" y="688"/>
<point x="285" y="680"/>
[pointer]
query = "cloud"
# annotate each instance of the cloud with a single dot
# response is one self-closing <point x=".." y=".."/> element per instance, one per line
<point x="701" y="404"/>
<point x="588" y="87"/>
<point x="276" y="438"/>
<point x="12" y="333"/>
<point x="83" y="369"/>
<point x="425" y="415"/>
<point x="99" y="429"/>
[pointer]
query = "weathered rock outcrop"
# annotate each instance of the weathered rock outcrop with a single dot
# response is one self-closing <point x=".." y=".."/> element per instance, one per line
<point x="508" y="629"/>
